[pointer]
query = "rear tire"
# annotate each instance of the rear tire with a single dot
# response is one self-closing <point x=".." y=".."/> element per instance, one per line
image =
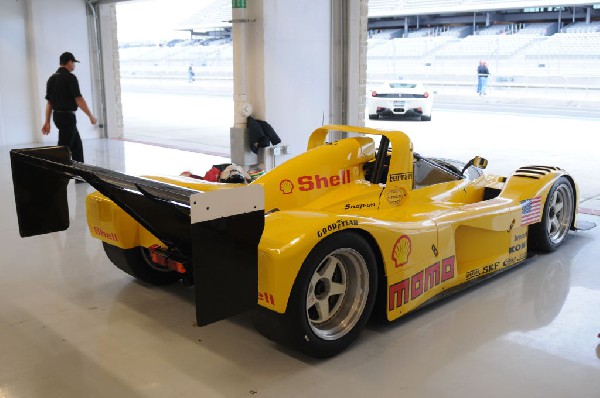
<point x="557" y="218"/>
<point x="333" y="296"/>
<point x="137" y="263"/>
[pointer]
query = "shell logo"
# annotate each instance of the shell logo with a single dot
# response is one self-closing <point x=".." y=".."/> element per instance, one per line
<point x="401" y="251"/>
<point x="286" y="186"/>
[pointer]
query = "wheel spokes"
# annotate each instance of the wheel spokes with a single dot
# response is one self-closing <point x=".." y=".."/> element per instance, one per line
<point x="326" y="290"/>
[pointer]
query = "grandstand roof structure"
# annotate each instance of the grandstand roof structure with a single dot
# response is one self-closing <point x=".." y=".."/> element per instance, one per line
<point x="216" y="15"/>
<point x="402" y="8"/>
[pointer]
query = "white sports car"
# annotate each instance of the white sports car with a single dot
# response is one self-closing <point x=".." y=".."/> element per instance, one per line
<point x="400" y="97"/>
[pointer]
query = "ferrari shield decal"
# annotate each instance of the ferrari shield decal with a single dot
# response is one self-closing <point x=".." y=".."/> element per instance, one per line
<point x="531" y="210"/>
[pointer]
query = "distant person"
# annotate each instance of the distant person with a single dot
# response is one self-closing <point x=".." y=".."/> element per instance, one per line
<point x="191" y="74"/>
<point x="62" y="100"/>
<point x="482" y="78"/>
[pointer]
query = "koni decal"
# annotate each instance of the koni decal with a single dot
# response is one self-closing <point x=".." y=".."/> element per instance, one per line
<point x="103" y="234"/>
<point x="411" y="288"/>
<point x="336" y="226"/>
<point x="401" y="251"/>
<point x="516" y="248"/>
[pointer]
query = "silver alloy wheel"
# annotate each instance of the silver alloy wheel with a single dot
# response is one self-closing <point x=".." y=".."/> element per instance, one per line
<point x="337" y="294"/>
<point x="560" y="212"/>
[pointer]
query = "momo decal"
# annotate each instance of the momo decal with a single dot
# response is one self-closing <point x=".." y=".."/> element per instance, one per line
<point x="401" y="177"/>
<point x="336" y="226"/>
<point x="411" y="288"/>
<point x="401" y="251"/>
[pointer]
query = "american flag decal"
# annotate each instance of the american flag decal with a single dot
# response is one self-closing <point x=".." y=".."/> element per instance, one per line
<point x="531" y="210"/>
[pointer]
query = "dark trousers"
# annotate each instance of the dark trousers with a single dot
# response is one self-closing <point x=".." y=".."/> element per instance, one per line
<point x="68" y="135"/>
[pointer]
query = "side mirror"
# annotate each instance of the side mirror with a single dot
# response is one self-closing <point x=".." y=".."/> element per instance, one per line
<point x="480" y="162"/>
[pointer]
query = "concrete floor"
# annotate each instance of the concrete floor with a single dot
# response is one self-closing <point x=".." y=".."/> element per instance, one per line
<point x="73" y="325"/>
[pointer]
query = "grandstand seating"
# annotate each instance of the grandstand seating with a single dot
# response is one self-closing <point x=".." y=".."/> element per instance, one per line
<point x="526" y="54"/>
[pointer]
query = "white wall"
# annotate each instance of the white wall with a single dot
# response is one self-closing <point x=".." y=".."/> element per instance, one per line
<point x="35" y="33"/>
<point x="15" y="113"/>
<point x="288" y="64"/>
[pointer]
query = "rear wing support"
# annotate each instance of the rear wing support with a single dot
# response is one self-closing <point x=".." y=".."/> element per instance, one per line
<point x="218" y="235"/>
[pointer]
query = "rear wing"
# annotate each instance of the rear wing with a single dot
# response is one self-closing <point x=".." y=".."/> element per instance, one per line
<point x="215" y="231"/>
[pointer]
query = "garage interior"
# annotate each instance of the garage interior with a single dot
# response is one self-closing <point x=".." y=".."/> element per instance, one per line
<point x="73" y="325"/>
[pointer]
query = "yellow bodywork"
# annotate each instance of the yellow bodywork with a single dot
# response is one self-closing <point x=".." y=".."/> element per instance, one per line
<point x="429" y="237"/>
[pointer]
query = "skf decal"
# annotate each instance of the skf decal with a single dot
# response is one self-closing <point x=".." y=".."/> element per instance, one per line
<point x="487" y="269"/>
<point x="359" y="206"/>
<point x="411" y="288"/>
<point x="286" y="186"/>
<point x="401" y="251"/>
<point x="531" y="210"/>
<point x="106" y="235"/>
<point x="336" y="226"/>
<point x="401" y="177"/>
<point x="308" y="183"/>
<point x="395" y="196"/>
<point x="266" y="297"/>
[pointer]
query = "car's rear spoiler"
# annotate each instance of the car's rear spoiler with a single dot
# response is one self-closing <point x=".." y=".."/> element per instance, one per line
<point x="216" y="231"/>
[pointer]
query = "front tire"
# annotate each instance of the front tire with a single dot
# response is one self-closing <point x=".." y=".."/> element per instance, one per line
<point x="374" y="117"/>
<point x="557" y="218"/>
<point x="137" y="263"/>
<point x="333" y="296"/>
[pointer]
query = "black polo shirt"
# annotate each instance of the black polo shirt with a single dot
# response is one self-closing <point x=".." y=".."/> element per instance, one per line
<point x="61" y="90"/>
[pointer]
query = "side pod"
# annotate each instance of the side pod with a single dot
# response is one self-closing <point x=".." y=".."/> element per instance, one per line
<point x="218" y="234"/>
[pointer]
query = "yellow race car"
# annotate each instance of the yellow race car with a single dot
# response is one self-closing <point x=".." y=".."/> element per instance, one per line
<point x="321" y="241"/>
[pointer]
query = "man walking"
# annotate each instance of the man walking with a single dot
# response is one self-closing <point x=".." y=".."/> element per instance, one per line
<point x="63" y="98"/>
<point x="482" y="78"/>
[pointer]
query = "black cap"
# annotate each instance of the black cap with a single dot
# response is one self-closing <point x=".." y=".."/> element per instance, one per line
<point x="66" y="57"/>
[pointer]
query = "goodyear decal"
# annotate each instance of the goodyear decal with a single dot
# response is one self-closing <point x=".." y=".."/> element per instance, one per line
<point x="336" y="226"/>
<point x="412" y="288"/>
